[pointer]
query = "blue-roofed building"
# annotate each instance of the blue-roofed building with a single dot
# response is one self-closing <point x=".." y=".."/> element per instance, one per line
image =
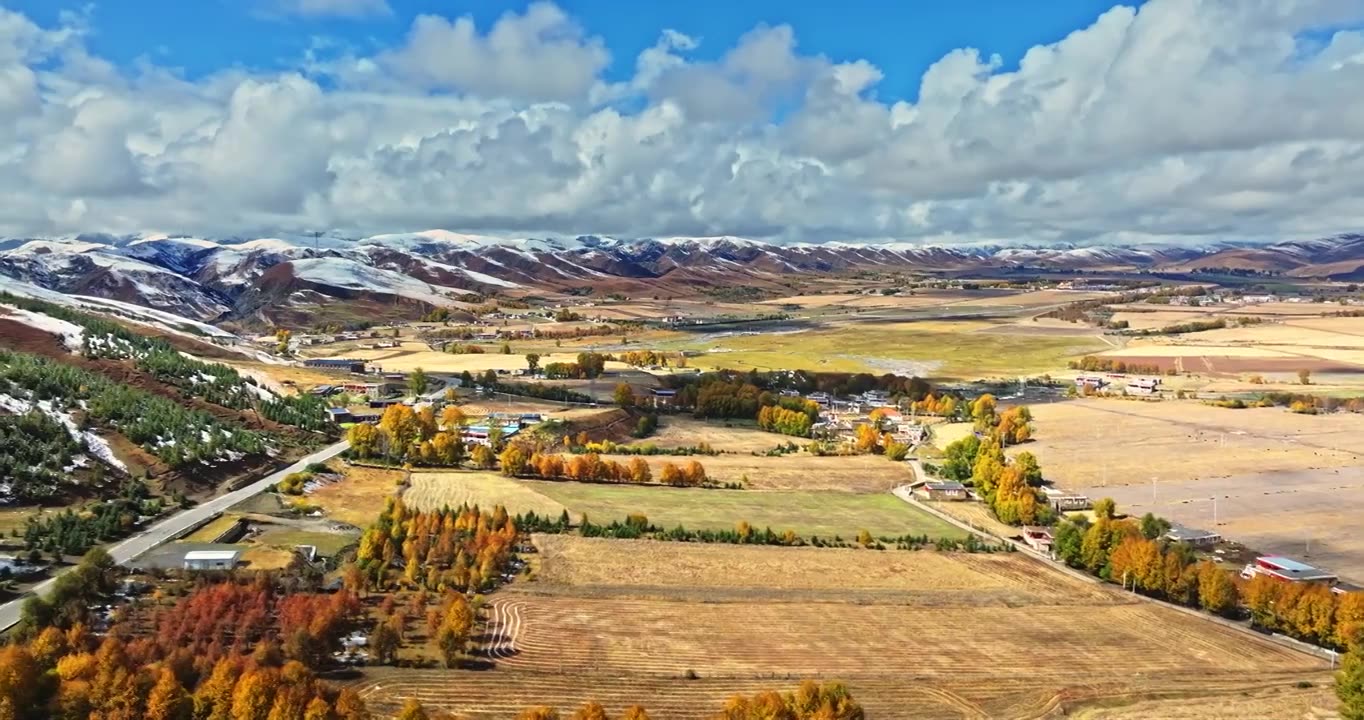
<point x="1288" y="570"/>
<point x="478" y="434"/>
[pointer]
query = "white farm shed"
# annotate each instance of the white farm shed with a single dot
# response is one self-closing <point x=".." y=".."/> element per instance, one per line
<point x="212" y="559"/>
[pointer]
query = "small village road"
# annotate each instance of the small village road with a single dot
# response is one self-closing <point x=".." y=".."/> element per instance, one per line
<point x="173" y="526"/>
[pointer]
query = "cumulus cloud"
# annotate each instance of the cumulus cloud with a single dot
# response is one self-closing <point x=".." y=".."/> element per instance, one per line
<point x="1181" y="121"/>
<point x="541" y="55"/>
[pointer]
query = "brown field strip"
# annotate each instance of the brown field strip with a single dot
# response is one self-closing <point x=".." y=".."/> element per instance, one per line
<point x="744" y="640"/>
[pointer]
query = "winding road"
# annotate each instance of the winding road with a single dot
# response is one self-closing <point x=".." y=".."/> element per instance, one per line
<point x="176" y="524"/>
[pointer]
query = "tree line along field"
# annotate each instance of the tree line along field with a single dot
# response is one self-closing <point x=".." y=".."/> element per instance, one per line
<point x="915" y="635"/>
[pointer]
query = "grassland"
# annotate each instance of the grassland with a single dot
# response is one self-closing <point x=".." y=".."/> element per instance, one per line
<point x="807" y="513"/>
<point x="328" y="544"/>
<point x="211" y="531"/>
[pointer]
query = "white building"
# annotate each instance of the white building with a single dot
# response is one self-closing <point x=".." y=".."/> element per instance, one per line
<point x="212" y="559"/>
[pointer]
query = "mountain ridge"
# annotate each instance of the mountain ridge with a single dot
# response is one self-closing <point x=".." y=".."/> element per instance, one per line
<point x="241" y="277"/>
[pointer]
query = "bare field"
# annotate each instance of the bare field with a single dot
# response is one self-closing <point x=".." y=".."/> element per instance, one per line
<point x="1308" y="514"/>
<point x="411" y="355"/>
<point x="359" y="498"/>
<point x="682" y="431"/>
<point x="1096" y="443"/>
<point x="853" y="300"/>
<point x="1036" y="298"/>
<point x="504" y="693"/>
<point x="634" y="566"/>
<point x="434" y="490"/>
<point x="1057" y="643"/>
<point x="857" y="473"/>
<point x="623" y="622"/>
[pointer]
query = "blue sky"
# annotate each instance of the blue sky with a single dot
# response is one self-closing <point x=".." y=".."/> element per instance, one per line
<point x="901" y="38"/>
<point x="1168" y="121"/>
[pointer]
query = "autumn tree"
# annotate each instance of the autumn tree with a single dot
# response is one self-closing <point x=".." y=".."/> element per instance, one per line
<point x="383" y="641"/>
<point x="532" y="362"/>
<point x="412" y="710"/>
<point x="168" y="699"/>
<point x="417" y="382"/>
<point x="447" y="448"/>
<point x="452" y="418"/>
<point x="866" y="439"/>
<point x="483" y="457"/>
<point x="635" y="712"/>
<point x="1028" y="465"/>
<point x="365" y="440"/>
<point x="514" y="460"/>
<point x="1216" y="591"/>
<point x="983" y="412"/>
<point x="694" y="474"/>
<point x="591" y="710"/>
<point x="538" y="713"/>
<point x="669" y="474"/>
<point x="400" y="427"/>
<point x="349" y="706"/>
<point x="1350" y="683"/>
<point x="639" y="471"/>
<point x="624" y="395"/>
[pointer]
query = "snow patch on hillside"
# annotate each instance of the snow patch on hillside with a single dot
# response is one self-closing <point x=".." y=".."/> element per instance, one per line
<point x="95" y="445"/>
<point x="351" y="275"/>
<point x="72" y="335"/>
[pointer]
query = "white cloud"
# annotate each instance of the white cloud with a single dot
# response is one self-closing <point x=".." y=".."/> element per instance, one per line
<point x="541" y="55"/>
<point x="1185" y="120"/>
<point x="329" y="8"/>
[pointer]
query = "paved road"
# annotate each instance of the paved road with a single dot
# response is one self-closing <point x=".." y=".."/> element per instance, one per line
<point x="176" y="524"/>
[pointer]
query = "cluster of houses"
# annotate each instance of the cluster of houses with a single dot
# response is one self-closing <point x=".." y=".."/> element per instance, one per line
<point x="1134" y="385"/>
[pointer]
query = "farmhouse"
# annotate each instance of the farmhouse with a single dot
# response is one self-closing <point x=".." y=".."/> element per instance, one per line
<point x="952" y="491"/>
<point x="1143" y="386"/>
<point x="340" y="415"/>
<point x="1288" y="570"/>
<point x="1090" y="381"/>
<point x="349" y="365"/>
<point x="211" y="559"/>
<point x="1062" y="501"/>
<point x="1193" y="536"/>
<point x="1038" y="538"/>
<point x="372" y="390"/>
<point x="876" y="398"/>
<point x="663" y="397"/>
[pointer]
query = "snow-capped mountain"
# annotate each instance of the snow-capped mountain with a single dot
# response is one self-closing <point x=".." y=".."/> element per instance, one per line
<point x="410" y="273"/>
